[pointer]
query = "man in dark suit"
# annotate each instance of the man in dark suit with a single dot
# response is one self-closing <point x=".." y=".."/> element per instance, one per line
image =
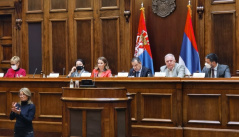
<point x="138" y="70"/>
<point x="214" y="70"/>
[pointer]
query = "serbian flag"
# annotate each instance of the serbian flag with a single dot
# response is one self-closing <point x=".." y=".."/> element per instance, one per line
<point x="189" y="56"/>
<point x="142" y="48"/>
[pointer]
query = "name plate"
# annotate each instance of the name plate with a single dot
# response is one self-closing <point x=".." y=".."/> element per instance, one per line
<point x="160" y="74"/>
<point x="85" y="74"/>
<point x="53" y="75"/>
<point x="123" y="74"/>
<point x="1" y="75"/>
<point x="198" y="75"/>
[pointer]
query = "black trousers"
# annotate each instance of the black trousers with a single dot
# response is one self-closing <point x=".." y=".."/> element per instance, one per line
<point x="24" y="134"/>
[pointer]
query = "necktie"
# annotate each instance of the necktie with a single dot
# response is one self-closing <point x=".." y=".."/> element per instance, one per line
<point x="213" y="73"/>
<point x="137" y="74"/>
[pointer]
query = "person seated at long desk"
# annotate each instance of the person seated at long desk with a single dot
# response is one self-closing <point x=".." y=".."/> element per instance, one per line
<point x="78" y="69"/>
<point x="138" y="70"/>
<point x="102" y="68"/>
<point x="213" y="69"/>
<point x="15" y="70"/>
<point x="172" y="69"/>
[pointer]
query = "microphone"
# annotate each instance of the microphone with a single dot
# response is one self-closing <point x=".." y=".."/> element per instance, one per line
<point x="63" y="71"/>
<point x="34" y="72"/>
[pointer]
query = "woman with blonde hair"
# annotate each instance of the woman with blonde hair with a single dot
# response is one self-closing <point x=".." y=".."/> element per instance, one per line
<point x="24" y="112"/>
<point x="102" y="68"/>
<point x="15" y="70"/>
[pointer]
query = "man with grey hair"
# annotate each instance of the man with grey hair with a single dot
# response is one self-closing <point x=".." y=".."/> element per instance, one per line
<point x="172" y="69"/>
<point x="138" y="70"/>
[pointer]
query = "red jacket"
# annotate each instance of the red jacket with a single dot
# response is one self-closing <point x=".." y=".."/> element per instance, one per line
<point x="106" y="73"/>
<point x="12" y="73"/>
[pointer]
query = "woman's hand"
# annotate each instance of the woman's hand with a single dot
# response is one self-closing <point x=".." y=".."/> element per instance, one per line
<point x="15" y="109"/>
<point x="73" y="69"/>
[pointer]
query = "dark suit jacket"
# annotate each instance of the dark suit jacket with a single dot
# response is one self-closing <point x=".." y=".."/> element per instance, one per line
<point x="223" y="71"/>
<point x="144" y="72"/>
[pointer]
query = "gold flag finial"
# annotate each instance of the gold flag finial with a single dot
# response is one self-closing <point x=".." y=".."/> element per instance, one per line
<point x="189" y="7"/>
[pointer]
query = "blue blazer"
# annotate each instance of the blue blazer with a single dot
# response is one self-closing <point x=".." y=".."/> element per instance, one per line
<point x="145" y="72"/>
<point x="223" y="71"/>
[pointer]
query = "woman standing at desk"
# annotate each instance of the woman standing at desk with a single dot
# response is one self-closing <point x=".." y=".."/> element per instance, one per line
<point x="102" y="69"/>
<point x="24" y="112"/>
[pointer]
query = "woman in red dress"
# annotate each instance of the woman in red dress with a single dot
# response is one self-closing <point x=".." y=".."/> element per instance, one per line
<point x="102" y="69"/>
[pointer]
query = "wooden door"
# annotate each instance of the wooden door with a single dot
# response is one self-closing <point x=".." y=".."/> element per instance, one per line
<point x="6" y="38"/>
<point x="217" y="33"/>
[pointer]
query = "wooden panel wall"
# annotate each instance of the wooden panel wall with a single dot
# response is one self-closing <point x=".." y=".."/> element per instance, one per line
<point x="34" y="5"/>
<point x="58" y="4"/>
<point x="35" y="47"/>
<point x="6" y="40"/>
<point x="73" y="29"/>
<point x="217" y="33"/>
<point x="59" y="46"/>
<point x="223" y="36"/>
<point x="3" y="106"/>
<point x="7" y="3"/>
<point x="165" y="34"/>
<point x="83" y="3"/>
<point x="110" y="41"/>
<point x="84" y="38"/>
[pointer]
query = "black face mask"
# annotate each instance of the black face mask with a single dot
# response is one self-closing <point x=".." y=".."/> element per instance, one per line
<point x="79" y="67"/>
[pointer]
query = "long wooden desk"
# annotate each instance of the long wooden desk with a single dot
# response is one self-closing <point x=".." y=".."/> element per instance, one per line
<point x="168" y="107"/>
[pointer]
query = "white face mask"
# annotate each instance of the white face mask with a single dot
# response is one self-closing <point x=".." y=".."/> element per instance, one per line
<point x="14" y="67"/>
<point x="207" y="65"/>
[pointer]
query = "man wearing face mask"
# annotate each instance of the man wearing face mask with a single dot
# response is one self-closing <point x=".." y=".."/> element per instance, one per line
<point x="78" y="69"/>
<point x="15" y="70"/>
<point x="214" y="70"/>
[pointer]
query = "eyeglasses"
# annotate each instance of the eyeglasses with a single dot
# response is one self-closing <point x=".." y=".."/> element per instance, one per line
<point x="14" y="64"/>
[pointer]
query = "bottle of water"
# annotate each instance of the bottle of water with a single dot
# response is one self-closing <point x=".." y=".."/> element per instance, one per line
<point x="41" y="74"/>
<point x="71" y="84"/>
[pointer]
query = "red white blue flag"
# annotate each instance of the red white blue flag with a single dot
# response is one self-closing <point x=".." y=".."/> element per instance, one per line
<point x="142" y="48"/>
<point x="189" y="56"/>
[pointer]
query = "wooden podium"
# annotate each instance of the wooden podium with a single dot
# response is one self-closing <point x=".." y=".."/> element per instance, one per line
<point x="96" y="112"/>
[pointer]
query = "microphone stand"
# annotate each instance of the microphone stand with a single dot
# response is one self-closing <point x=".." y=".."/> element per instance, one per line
<point x="63" y="71"/>
<point x="34" y="72"/>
